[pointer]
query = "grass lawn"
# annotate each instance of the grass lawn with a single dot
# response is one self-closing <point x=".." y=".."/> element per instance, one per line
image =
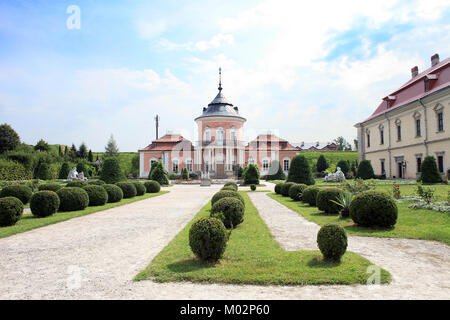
<point x="411" y="223"/>
<point x="29" y="222"/>
<point x="254" y="257"/>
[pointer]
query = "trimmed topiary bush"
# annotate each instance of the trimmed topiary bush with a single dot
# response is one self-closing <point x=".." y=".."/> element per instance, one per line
<point x="226" y="193"/>
<point x="115" y="194"/>
<point x="152" y="186"/>
<point x="208" y="239"/>
<point x="44" y="172"/>
<point x="11" y="210"/>
<point x="128" y="188"/>
<point x="299" y="171"/>
<point x="50" y="186"/>
<point x="309" y="195"/>
<point x="344" y="165"/>
<point x="140" y="188"/>
<point x="229" y="188"/>
<point x="232" y="185"/>
<point x="97" y="182"/>
<point x="365" y="170"/>
<point x="97" y="195"/>
<point x="429" y="171"/>
<point x="373" y="209"/>
<point x="64" y="171"/>
<point x="251" y="174"/>
<point x="44" y="203"/>
<point x="23" y="193"/>
<point x="111" y="171"/>
<point x="321" y="164"/>
<point x="72" y="199"/>
<point x="278" y="188"/>
<point x="253" y="187"/>
<point x="275" y="171"/>
<point x="332" y="242"/>
<point x="296" y="191"/>
<point x="285" y="188"/>
<point x="324" y="197"/>
<point x="76" y="184"/>
<point x="159" y="173"/>
<point x="229" y="210"/>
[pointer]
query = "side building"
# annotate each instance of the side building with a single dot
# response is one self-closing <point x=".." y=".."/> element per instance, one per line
<point x="410" y="123"/>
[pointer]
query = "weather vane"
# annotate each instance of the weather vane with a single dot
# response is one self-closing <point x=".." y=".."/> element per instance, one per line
<point x="220" y="79"/>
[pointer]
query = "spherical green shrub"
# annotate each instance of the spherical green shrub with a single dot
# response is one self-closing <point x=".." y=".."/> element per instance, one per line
<point x="226" y="193"/>
<point x="50" y="186"/>
<point x="23" y="193"/>
<point x="229" y="188"/>
<point x="278" y="188"/>
<point x="296" y="191"/>
<point x="111" y="171"/>
<point x="373" y="209"/>
<point x="140" y="188"/>
<point x="208" y="239"/>
<point x="365" y="170"/>
<point x="11" y="210"/>
<point x="285" y="188"/>
<point x="253" y="187"/>
<point x="299" y="171"/>
<point x="44" y="203"/>
<point x="97" y="182"/>
<point x="152" y="186"/>
<point x="76" y="184"/>
<point x="324" y="197"/>
<point x="72" y="199"/>
<point x="229" y="210"/>
<point x="309" y="195"/>
<point x="115" y="194"/>
<point x="429" y="171"/>
<point x="231" y="184"/>
<point x="128" y="188"/>
<point x="332" y="242"/>
<point x="97" y="195"/>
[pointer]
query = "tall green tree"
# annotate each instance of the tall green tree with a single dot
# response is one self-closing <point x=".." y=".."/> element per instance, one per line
<point x="82" y="151"/>
<point x="342" y="144"/>
<point x="111" y="148"/>
<point x="9" y="139"/>
<point x="60" y="151"/>
<point x="365" y="170"/>
<point x="300" y="172"/>
<point x="429" y="171"/>
<point x="73" y="152"/>
<point x="42" y="146"/>
<point x="111" y="171"/>
<point x="90" y="156"/>
<point x="321" y="164"/>
<point x="159" y="173"/>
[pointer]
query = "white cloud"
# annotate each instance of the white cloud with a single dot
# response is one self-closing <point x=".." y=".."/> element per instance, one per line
<point x="217" y="41"/>
<point x="149" y="29"/>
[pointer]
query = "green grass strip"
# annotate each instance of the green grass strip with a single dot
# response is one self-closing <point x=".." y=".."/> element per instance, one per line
<point x="29" y="222"/>
<point x="411" y="223"/>
<point x="254" y="257"/>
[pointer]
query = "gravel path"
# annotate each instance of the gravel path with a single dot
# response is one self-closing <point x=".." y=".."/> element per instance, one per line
<point x="97" y="256"/>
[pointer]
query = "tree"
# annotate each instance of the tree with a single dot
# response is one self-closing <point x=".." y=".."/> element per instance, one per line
<point x="135" y="165"/>
<point x="251" y="174"/>
<point x="64" y="171"/>
<point x="9" y="139"/>
<point x="158" y="173"/>
<point x="66" y="151"/>
<point x="185" y="174"/>
<point x="60" y="152"/>
<point x="90" y="156"/>
<point x="429" y="171"/>
<point x="321" y="164"/>
<point x="344" y="165"/>
<point x="73" y="152"/>
<point x="300" y="172"/>
<point x="365" y="170"/>
<point x="275" y="171"/>
<point x="111" y="171"/>
<point x="82" y="152"/>
<point x="42" y="146"/>
<point x="44" y="172"/>
<point x="342" y="144"/>
<point x="111" y="148"/>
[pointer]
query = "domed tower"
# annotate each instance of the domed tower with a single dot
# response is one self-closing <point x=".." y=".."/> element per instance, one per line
<point x="220" y="133"/>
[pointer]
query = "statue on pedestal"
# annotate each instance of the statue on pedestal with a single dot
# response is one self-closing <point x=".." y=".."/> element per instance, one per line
<point x="338" y="176"/>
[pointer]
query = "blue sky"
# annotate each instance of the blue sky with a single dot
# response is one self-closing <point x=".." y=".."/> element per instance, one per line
<point x="307" y="71"/>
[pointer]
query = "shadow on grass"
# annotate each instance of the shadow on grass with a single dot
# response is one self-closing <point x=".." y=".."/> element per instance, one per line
<point x="366" y="230"/>
<point x="189" y="265"/>
<point x="319" y="262"/>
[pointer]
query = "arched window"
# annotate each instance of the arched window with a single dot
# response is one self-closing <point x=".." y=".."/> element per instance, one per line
<point x="219" y="134"/>
<point x="265" y="164"/>
<point x="175" y="165"/>
<point x="233" y="133"/>
<point x="207" y="134"/>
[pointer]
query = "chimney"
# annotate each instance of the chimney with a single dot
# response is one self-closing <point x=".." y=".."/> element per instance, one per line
<point x="414" y="71"/>
<point x="434" y="59"/>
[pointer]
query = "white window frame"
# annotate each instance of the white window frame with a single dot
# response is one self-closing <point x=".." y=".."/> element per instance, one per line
<point x="176" y="161"/>
<point x="207" y="134"/>
<point x="220" y="134"/>
<point x="189" y="164"/>
<point x="289" y="164"/>
<point x="265" y="164"/>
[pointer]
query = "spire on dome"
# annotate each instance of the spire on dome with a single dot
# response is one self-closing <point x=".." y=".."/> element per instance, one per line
<point x="220" y="79"/>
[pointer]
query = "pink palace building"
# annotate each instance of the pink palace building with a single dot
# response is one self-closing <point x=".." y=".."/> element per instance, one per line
<point x="220" y="148"/>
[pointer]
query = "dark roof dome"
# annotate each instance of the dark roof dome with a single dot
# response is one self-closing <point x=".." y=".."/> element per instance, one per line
<point x="220" y="106"/>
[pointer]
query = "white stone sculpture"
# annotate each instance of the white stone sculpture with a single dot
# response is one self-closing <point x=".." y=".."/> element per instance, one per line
<point x="205" y="181"/>
<point x="338" y="176"/>
<point x="73" y="174"/>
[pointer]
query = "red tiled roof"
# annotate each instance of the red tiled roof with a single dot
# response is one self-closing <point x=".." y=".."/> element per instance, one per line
<point x="414" y="89"/>
<point x="168" y="142"/>
<point x="270" y="142"/>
